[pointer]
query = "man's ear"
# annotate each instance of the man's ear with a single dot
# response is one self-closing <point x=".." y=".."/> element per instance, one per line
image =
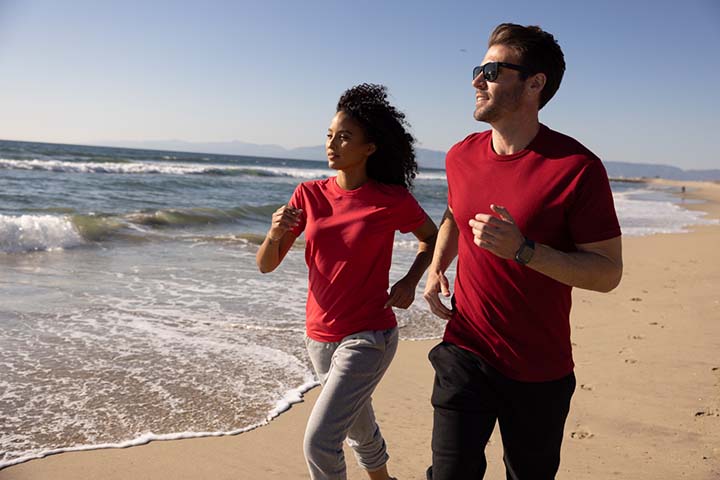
<point x="537" y="82"/>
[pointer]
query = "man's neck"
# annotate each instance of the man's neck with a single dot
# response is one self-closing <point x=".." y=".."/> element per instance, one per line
<point x="514" y="135"/>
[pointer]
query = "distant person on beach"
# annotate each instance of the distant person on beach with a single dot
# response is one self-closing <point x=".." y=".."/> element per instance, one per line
<point x="530" y="215"/>
<point x="349" y="222"/>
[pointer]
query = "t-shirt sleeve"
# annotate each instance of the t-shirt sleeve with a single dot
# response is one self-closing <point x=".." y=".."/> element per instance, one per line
<point x="591" y="215"/>
<point x="410" y="215"/>
<point x="448" y="171"/>
<point x="299" y="200"/>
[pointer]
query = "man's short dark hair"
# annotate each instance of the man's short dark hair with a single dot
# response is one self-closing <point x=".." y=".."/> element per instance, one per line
<point x="538" y="50"/>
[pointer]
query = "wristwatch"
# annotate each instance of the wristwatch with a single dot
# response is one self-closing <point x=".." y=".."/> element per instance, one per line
<point x="525" y="252"/>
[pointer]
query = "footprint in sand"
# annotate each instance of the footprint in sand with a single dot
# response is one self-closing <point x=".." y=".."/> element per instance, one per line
<point x="708" y="412"/>
<point x="581" y="433"/>
<point x="587" y="386"/>
<point x="627" y="352"/>
<point x="636" y="299"/>
<point x="635" y="337"/>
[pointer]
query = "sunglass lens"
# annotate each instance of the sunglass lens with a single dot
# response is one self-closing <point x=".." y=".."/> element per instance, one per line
<point x="490" y="72"/>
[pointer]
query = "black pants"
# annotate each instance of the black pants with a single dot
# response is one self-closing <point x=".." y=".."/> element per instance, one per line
<point x="469" y="396"/>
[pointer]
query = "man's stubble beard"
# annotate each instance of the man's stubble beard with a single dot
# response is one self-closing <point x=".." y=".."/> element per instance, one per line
<point x="507" y="102"/>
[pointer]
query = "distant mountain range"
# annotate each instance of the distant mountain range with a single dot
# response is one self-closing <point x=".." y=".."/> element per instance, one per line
<point x="647" y="170"/>
<point x="425" y="157"/>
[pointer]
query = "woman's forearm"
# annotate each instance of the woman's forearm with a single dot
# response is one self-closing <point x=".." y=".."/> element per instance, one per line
<point x="268" y="255"/>
<point x="279" y="238"/>
<point x="272" y="252"/>
<point x="422" y="259"/>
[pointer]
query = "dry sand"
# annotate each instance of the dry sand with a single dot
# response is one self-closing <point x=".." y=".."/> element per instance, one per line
<point x="647" y="405"/>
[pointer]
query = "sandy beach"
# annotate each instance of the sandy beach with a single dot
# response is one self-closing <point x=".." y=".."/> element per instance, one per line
<point x="647" y="405"/>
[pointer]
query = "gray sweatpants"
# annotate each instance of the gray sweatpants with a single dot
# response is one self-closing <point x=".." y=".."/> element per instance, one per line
<point x="349" y="371"/>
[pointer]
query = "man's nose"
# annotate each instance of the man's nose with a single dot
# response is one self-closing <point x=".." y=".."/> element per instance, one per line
<point x="479" y="81"/>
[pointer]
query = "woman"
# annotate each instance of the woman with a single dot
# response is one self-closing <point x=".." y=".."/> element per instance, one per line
<point x="349" y="222"/>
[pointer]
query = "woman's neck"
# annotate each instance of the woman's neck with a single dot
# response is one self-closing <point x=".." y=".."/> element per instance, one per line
<point x="352" y="179"/>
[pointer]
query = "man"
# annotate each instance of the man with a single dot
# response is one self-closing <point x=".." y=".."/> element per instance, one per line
<point x="530" y="215"/>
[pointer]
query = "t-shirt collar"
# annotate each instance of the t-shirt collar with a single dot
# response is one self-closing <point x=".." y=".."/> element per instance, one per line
<point x="341" y="191"/>
<point x="542" y="131"/>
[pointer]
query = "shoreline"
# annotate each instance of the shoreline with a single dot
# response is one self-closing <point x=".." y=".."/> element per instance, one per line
<point x="647" y="403"/>
<point x="291" y="397"/>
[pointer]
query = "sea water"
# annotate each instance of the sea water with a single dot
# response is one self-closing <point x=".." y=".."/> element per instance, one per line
<point x="131" y="308"/>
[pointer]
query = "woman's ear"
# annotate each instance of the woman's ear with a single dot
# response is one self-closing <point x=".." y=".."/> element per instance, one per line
<point x="371" y="148"/>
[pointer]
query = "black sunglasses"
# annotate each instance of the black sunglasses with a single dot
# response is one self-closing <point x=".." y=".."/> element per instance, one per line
<point x="490" y="70"/>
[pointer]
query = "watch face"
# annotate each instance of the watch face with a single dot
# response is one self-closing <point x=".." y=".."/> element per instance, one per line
<point x="524" y="254"/>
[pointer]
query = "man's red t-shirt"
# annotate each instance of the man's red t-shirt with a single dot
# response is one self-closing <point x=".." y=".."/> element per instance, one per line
<point x="516" y="319"/>
<point x="349" y="238"/>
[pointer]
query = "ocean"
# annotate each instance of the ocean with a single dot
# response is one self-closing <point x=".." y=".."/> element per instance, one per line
<point x="131" y="308"/>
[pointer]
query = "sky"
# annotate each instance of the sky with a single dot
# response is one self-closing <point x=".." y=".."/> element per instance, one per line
<point x="641" y="83"/>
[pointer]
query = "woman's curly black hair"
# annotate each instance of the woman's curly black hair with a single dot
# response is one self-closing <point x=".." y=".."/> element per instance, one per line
<point x="393" y="161"/>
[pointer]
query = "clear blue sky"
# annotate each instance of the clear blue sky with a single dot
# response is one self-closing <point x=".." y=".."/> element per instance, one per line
<point x="641" y="85"/>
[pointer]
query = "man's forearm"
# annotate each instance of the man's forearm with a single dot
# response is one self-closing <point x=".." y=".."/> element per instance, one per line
<point x="582" y="269"/>
<point x="446" y="245"/>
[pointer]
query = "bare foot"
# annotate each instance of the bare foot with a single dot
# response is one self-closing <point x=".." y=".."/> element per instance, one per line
<point x="380" y="474"/>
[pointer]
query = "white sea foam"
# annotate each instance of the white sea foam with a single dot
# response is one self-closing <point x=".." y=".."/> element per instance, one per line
<point x="103" y="167"/>
<point x="157" y="168"/>
<point x="405" y="242"/>
<point x="639" y="217"/>
<point x="305" y="173"/>
<point x="431" y="175"/>
<point x="170" y="359"/>
<point x="266" y="328"/>
<point x="179" y="168"/>
<point x="26" y="233"/>
<point x="290" y="398"/>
